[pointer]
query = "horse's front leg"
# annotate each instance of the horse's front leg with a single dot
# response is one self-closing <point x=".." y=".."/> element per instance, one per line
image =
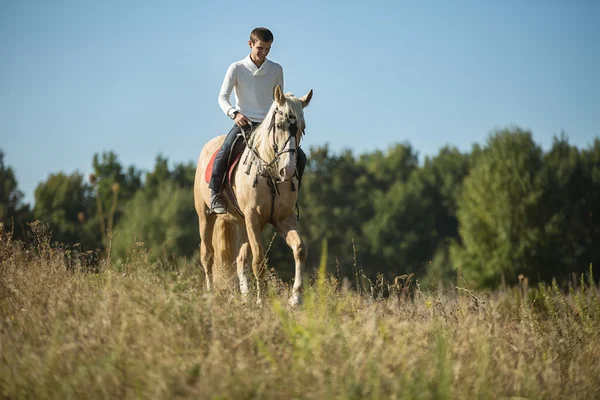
<point x="288" y="228"/>
<point x="254" y="228"/>
<point x="243" y="259"/>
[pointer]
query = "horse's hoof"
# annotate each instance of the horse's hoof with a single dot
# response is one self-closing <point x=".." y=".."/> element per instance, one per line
<point x="295" y="300"/>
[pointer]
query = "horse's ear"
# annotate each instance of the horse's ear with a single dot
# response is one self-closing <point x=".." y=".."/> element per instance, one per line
<point x="279" y="97"/>
<point x="306" y="99"/>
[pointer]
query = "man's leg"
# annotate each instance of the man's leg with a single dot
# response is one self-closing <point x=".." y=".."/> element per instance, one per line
<point x="300" y="165"/>
<point x="220" y="165"/>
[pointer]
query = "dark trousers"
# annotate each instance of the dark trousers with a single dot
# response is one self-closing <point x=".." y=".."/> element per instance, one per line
<point x="222" y="159"/>
<point x="221" y="162"/>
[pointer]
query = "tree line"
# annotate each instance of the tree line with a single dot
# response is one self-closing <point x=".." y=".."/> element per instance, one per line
<point x="505" y="208"/>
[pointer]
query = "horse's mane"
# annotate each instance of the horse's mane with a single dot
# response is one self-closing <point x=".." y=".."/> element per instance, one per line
<point x="260" y="135"/>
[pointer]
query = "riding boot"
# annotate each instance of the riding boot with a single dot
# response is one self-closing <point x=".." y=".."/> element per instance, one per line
<point x="217" y="205"/>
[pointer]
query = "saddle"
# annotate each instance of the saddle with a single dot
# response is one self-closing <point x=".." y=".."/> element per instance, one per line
<point x="237" y="148"/>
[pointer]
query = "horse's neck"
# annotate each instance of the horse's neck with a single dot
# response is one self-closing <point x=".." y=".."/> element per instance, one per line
<point x="262" y="149"/>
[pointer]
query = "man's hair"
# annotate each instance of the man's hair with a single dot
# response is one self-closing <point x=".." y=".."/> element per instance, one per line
<point x="262" y="34"/>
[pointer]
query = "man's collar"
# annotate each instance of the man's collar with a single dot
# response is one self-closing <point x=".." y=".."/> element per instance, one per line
<point x="253" y="68"/>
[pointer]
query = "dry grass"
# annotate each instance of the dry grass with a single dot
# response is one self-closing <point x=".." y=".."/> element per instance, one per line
<point x="146" y="333"/>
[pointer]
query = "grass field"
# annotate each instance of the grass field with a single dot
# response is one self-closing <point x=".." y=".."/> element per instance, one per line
<point x="146" y="332"/>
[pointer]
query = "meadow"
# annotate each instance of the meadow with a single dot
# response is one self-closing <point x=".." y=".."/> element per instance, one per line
<point x="150" y="330"/>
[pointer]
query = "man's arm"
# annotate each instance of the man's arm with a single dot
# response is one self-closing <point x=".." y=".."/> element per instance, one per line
<point x="226" y="89"/>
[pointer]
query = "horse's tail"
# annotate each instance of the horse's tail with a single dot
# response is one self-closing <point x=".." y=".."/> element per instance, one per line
<point x="226" y="242"/>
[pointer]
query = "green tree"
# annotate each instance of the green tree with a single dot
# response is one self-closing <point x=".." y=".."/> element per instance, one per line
<point x="445" y="174"/>
<point x="107" y="171"/>
<point x="66" y="203"/>
<point x="161" y="173"/>
<point x="182" y="175"/>
<point x="111" y="188"/>
<point x="590" y="211"/>
<point x="571" y="203"/>
<point x="501" y="228"/>
<point x="161" y="214"/>
<point x="394" y="165"/>
<point x="334" y="202"/>
<point x="402" y="228"/>
<point x="13" y="213"/>
<point x="163" y="223"/>
<point x="415" y="220"/>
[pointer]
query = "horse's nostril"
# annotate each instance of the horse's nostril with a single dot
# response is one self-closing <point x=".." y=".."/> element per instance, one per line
<point x="282" y="173"/>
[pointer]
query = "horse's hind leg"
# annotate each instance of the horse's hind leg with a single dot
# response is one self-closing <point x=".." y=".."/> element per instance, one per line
<point x="207" y="224"/>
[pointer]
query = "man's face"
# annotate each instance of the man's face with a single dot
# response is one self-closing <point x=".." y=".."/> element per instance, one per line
<point x="259" y="50"/>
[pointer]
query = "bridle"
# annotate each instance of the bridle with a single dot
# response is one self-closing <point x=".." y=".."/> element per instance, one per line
<point x="292" y="129"/>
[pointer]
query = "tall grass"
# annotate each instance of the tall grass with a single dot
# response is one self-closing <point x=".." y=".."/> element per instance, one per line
<point x="144" y="332"/>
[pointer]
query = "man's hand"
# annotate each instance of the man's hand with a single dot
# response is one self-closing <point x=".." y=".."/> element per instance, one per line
<point x="240" y="119"/>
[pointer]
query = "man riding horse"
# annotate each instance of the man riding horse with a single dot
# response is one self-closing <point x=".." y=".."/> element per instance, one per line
<point x="254" y="80"/>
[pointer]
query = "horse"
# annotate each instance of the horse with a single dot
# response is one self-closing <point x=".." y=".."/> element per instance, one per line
<point x="264" y="185"/>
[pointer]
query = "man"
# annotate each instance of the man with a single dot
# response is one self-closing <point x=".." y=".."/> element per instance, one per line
<point x="254" y="80"/>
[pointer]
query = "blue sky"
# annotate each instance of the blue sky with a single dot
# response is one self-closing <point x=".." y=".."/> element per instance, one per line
<point x="141" y="78"/>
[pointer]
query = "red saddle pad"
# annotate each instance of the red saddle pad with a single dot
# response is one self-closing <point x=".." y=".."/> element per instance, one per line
<point x="209" y="167"/>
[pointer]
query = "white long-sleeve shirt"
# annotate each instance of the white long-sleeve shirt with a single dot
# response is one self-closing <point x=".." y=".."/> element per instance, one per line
<point x="254" y="88"/>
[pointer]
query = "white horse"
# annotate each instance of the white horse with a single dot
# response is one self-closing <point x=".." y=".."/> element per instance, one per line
<point x="265" y="186"/>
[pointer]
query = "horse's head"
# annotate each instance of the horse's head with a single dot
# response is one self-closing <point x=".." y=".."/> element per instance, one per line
<point x="286" y="128"/>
